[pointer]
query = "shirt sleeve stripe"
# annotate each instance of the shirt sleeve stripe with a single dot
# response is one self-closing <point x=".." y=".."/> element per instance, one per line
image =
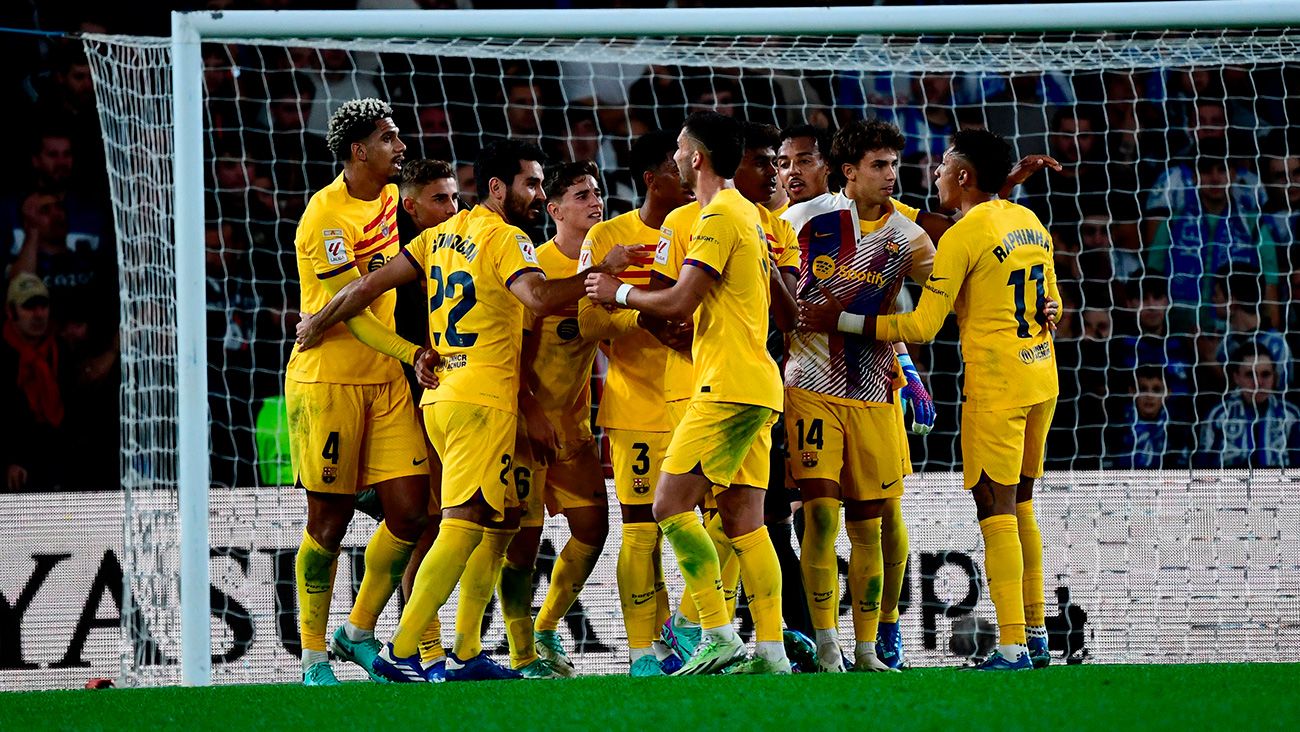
<point x="337" y="271"/>
<point x="663" y="278"/>
<point x="697" y="263"/>
<point x="414" y="262"/>
<point x="789" y="270"/>
<point x="511" y="280"/>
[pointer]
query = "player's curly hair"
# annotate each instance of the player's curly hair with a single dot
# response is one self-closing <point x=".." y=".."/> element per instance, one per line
<point x="563" y="175"/>
<point x="854" y="140"/>
<point x="720" y="137"/>
<point x="988" y="154"/>
<point x="353" y="122"/>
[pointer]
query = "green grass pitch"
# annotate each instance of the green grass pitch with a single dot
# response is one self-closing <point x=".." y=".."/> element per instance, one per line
<point x="1239" y="696"/>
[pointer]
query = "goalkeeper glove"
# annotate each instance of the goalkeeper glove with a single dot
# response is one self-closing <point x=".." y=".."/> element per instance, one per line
<point x="917" y="396"/>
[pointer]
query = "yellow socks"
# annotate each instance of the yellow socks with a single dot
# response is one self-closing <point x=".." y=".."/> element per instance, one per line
<point x="818" y="562"/>
<point x="476" y="587"/>
<point x="866" y="574"/>
<point x="437" y="577"/>
<point x="636" y="582"/>
<point x="762" y="573"/>
<point x="315" y="572"/>
<point x="1005" y="567"/>
<point x="431" y="642"/>
<point x="568" y="577"/>
<point x="1031" y="549"/>
<point x="894" y="549"/>
<point x="699" y="564"/>
<point x="661" y="587"/>
<point x="726" y="560"/>
<point x="386" y="557"/>
<point x="516" y="594"/>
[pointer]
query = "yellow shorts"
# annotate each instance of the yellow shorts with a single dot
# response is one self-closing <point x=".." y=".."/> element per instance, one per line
<point x="636" y="457"/>
<point x="1005" y="444"/>
<point x="903" y="444"/>
<point x="730" y="444"/>
<point x="345" y="437"/>
<point x="856" y="446"/>
<point x="477" y="447"/>
<point x="574" y="480"/>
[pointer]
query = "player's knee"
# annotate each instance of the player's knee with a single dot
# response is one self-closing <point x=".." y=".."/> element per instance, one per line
<point x="408" y="526"/>
<point x="1025" y="491"/>
<point x="983" y="495"/>
<point x="592" y="533"/>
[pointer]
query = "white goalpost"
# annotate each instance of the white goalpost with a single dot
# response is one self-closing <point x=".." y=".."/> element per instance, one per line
<point x="1211" y="552"/>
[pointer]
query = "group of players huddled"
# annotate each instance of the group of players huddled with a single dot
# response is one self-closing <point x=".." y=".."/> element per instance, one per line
<point x="683" y="296"/>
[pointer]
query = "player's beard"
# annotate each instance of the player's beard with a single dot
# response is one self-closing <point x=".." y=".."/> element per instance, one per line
<point x="521" y="212"/>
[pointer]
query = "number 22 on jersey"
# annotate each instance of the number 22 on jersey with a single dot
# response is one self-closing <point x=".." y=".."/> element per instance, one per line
<point x="456" y="291"/>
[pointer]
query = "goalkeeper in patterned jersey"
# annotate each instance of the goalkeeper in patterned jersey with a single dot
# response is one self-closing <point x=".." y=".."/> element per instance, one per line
<point x="564" y="475"/>
<point x="847" y="447"/>
<point x="804" y="171"/>
<point x="351" y="421"/>
<point x="632" y="405"/>
<point x="994" y="268"/>
<point x="482" y="272"/>
<point x="721" y="444"/>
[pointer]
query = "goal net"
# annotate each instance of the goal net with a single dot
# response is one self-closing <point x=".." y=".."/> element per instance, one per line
<point x="1168" y="515"/>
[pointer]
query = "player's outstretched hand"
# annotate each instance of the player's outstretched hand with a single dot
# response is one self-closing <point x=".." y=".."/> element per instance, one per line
<point x="819" y="317"/>
<point x="917" y="396"/>
<point x="602" y="287"/>
<point x="308" y="334"/>
<point x="620" y="258"/>
<point x="1025" y="169"/>
<point x="426" y="361"/>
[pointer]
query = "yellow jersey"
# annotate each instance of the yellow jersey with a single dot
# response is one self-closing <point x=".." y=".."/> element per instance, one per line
<point x="675" y="237"/>
<point x="994" y="268"/>
<point x="780" y="209"/>
<point x="475" y="322"/>
<point x="782" y="240"/>
<point x="336" y="233"/>
<point x="633" y="397"/>
<point x="730" y="347"/>
<point x="562" y="365"/>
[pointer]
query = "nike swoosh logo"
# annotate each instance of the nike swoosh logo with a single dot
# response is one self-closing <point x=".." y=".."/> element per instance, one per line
<point x="822" y="234"/>
<point x="709" y="216"/>
<point x="885" y="486"/>
<point x="937" y="279"/>
<point x="642" y="601"/>
<point x="419" y="462"/>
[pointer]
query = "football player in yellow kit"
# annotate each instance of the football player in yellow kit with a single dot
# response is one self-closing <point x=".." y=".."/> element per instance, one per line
<point x="482" y="273"/>
<point x="995" y="268"/>
<point x="632" y="406"/>
<point x="556" y="364"/>
<point x="351" y="421"/>
<point x="721" y="444"/>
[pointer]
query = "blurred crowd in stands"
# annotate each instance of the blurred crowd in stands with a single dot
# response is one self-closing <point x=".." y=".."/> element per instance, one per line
<point x="1175" y="219"/>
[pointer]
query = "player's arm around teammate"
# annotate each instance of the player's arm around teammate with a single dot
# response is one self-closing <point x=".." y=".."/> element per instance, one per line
<point x="352" y="424"/>
<point x="723" y="438"/>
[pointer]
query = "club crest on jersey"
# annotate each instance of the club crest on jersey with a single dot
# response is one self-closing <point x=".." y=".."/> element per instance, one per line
<point x="823" y="267"/>
<point x="892" y="246"/>
<point x="640" y="486"/>
<point x="335" y="251"/>
<point x="385" y="230"/>
<point x="526" y="248"/>
<point x="328" y="474"/>
<point x="809" y="459"/>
